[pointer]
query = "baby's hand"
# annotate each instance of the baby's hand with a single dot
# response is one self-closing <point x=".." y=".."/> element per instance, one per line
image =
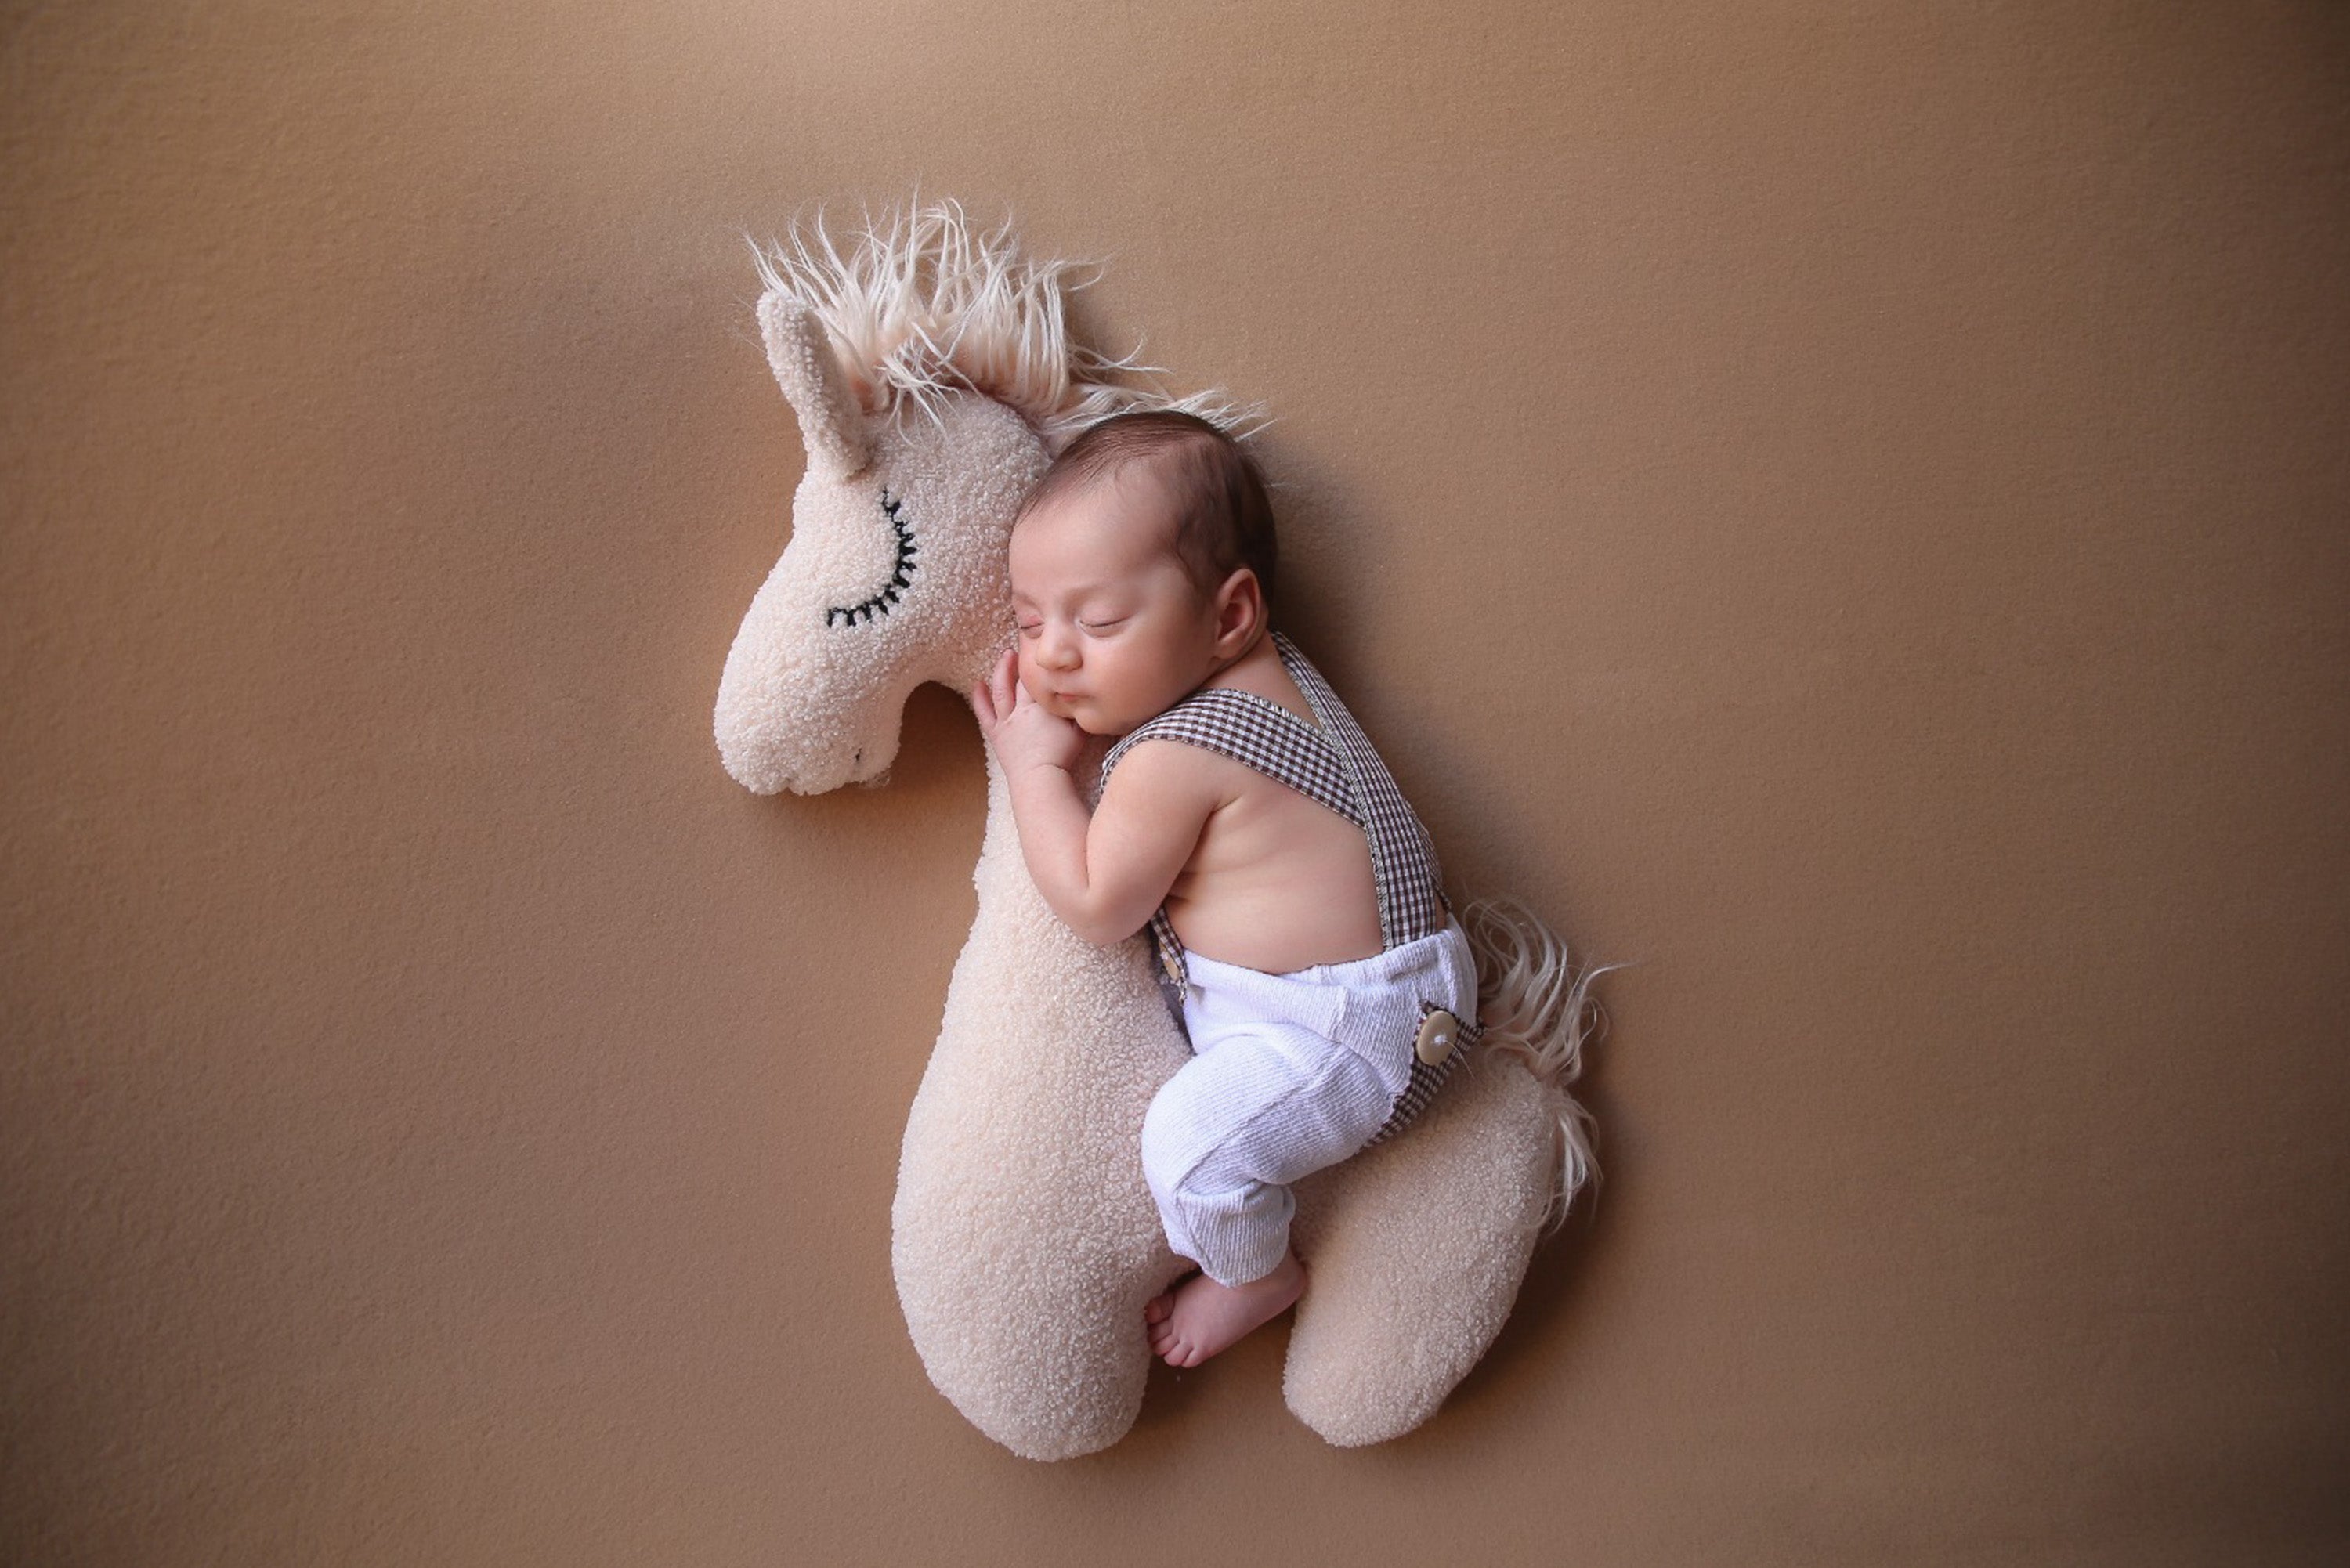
<point x="1019" y="729"/>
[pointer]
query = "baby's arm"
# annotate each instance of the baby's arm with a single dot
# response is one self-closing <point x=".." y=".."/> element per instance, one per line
<point x="1103" y="872"/>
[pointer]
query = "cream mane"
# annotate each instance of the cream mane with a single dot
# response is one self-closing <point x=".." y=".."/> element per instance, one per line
<point x="925" y="303"/>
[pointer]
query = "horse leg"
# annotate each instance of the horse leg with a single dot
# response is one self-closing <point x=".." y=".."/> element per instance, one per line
<point x="1024" y="1240"/>
<point x="1414" y="1251"/>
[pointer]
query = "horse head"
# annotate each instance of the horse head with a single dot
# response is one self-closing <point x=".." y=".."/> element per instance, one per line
<point x="894" y="574"/>
<point x="933" y="376"/>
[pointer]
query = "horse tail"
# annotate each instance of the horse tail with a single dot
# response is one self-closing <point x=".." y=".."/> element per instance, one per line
<point x="1536" y="1004"/>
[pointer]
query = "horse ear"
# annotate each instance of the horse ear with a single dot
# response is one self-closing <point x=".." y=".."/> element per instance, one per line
<point x="832" y="427"/>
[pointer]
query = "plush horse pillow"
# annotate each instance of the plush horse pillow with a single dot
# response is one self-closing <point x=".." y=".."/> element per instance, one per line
<point x="933" y="376"/>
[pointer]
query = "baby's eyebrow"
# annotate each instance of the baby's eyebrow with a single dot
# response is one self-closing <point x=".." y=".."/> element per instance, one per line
<point x="1020" y="600"/>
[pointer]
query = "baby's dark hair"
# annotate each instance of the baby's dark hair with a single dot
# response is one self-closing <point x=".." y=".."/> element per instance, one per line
<point x="1223" y="520"/>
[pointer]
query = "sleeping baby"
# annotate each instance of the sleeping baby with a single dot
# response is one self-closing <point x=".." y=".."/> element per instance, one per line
<point x="1241" y="813"/>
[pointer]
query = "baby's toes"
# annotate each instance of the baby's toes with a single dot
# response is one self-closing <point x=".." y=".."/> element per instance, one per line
<point x="1159" y="1306"/>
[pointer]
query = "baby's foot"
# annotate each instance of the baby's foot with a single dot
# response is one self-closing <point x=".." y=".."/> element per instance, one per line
<point x="1199" y="1317"/>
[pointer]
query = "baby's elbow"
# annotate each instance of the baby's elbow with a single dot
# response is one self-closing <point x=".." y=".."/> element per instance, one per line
<point x="1102" y="935"/>
<point x="1106" y="928"/>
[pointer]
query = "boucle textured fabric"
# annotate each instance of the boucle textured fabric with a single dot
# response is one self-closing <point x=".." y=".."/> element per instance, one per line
<point x="1024" y="1240"/>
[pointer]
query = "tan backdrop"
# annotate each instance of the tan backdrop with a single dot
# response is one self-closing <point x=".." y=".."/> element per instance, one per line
<point x="1842" y="505"/>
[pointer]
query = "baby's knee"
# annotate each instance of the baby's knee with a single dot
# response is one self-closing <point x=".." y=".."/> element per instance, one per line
<point x="1163" y="1156"/>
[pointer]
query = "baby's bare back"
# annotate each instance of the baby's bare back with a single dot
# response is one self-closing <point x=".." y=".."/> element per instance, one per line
<point x="1278" y="880"/>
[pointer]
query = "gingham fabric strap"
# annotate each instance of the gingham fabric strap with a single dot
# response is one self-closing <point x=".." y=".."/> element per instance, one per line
<point x="1426" y="1079"/>
<point x="1330" y="760"/>
<point x="1403" y="857"/>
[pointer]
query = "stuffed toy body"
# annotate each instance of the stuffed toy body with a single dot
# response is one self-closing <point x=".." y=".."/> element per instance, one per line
<point x="933" y="375"/>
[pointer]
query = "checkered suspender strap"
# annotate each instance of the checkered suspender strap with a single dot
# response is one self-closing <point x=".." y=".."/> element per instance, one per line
<point x="1331" y="761"/>
<point x="1403" y="860"/>
<point x="1403" y="857"/>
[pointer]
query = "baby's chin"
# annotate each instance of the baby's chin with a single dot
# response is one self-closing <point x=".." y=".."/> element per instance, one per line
<point x="1097" y="723"/>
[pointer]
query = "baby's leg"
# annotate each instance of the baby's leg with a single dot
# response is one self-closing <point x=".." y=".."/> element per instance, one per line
<point x="1259" y="1108"/>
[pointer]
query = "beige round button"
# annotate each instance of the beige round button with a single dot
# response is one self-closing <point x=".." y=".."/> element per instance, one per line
<point x="1437" y="1037"/>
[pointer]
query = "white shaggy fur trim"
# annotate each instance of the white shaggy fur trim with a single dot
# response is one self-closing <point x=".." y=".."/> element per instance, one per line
<point x="1536" y="1005"/>
<point x="924" y="304"/>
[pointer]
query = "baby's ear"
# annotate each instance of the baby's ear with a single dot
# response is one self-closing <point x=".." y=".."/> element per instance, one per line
<point x="832" y="427"/>
<point x="1240" y="610"/>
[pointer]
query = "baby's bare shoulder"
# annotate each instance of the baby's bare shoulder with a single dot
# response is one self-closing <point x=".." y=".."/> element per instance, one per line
<point x="1159" y="765"/>
<point x="1176" y="779"/>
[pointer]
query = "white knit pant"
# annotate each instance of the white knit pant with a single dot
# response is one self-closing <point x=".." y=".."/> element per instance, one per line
<point x="1289" y="1073"/>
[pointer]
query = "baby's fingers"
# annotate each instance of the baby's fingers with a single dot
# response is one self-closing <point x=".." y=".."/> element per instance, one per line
<point x="1007" y="682"/>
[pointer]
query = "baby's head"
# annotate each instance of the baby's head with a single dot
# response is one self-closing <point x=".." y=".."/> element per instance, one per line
<point x="1141" y="564"/>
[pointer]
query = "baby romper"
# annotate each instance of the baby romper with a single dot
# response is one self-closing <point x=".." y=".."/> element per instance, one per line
<point x="1294" y="1072"/>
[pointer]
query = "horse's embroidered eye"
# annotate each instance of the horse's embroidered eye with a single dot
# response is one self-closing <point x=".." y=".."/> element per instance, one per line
<point x="900" y="576"/>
